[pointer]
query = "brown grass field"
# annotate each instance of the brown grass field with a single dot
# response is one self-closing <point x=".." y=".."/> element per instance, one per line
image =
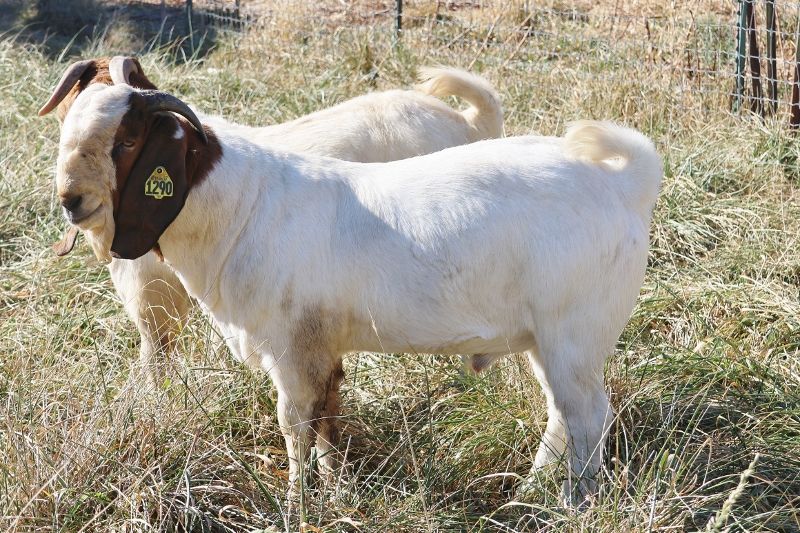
<point x="705" y="380"/>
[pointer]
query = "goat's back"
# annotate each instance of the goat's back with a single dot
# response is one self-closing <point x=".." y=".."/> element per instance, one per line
<point x="375" y="127"/>
<point x="488" y="237"/>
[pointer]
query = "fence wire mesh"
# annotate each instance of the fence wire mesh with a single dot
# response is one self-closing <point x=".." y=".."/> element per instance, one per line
<point x="715" y="55"/>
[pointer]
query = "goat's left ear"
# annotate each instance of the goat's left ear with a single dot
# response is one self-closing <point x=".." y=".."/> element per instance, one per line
<point x="154" y="192"/>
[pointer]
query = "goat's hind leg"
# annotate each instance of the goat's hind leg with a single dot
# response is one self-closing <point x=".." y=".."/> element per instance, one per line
<point x="554" y="441"/>
<point x="579" y="413"/>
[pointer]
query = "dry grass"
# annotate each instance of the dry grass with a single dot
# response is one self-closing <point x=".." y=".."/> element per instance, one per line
<point x="706" y="375"/>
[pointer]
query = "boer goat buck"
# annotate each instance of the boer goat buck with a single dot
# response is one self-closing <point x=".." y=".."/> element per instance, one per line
<point x="535" y="244"/>
<point x="380" y="126"/>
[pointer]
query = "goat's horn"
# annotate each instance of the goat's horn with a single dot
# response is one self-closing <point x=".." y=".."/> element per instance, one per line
<point x="65" y="84"/>
<point x="160" y="101"/>
<point x="120" y="68"/>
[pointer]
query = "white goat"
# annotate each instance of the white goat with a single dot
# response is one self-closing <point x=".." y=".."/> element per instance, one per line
<point x="534" y="244"/>
<point x="380" y="126"/>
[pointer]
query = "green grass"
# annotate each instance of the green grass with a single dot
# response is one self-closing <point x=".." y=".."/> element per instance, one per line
<point x="705" y="381"/>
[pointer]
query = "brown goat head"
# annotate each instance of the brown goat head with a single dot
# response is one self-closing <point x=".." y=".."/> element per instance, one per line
<point x="127" y="159"/>
<point x="78" y="76"/>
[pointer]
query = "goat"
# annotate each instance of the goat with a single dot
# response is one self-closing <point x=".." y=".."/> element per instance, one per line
<point x="525" y="244"/>
<point x="380" y="126"/>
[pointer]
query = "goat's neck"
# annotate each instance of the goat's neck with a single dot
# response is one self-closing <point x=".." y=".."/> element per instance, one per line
<point x="198" y="242"/>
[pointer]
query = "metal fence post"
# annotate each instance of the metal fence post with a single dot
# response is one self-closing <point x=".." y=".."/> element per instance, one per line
<point x="757" y="101"/>
<point x="772" y="66"/>
<point x="189" y="14"/>
<point x="398" y="20"/>
<point x="741" y="50"/>
<point x="794" y="119"/>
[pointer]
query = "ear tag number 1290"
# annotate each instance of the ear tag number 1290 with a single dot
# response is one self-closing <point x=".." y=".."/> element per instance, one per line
<point x="159" y="184"/>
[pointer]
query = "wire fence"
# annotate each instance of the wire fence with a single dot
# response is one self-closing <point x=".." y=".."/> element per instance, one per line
<point x="733" y="56"/>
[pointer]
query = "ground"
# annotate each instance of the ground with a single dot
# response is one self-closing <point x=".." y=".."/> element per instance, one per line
<point x="705" y="380"/>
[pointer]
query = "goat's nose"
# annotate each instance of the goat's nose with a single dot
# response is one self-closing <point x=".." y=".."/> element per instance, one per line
<point x="71" y="202"/>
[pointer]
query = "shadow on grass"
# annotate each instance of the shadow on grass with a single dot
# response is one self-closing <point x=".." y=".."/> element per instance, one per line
<point x="74" y="27"/>
<point x="704" y="447"/>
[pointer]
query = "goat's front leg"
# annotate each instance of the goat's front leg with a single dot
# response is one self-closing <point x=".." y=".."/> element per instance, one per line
<point x="326" y="423"/>
<point x="308" y="404"/>
<point x="158" y="304"/>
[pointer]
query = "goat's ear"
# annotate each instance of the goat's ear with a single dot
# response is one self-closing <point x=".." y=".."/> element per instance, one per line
<point x="67" y="243"/>
<point x="154" y="192"/>
<point x="138" y="78"/>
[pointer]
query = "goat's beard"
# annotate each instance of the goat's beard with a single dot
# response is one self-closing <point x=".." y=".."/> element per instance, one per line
<point x="101" y="236"/>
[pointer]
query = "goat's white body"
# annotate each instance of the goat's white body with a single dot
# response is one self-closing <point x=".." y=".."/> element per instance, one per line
<point x="503" y="246"/>
<point x="464" y="251"/>
<point x="532" y="244"/>
<point x="380" y="126"/>
<point x="371" y="128"/>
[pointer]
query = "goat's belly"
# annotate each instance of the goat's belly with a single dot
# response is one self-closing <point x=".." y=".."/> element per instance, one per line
<point x="495" y="345"/>
<point x="467" y="342"/>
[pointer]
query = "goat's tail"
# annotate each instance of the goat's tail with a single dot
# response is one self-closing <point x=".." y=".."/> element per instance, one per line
<point x="485" y="113"/>
<point x="596" y="142"/>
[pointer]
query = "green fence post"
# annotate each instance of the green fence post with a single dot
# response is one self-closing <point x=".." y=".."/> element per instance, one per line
<point x="189" y="14"/>
<point x="741" y="42"/>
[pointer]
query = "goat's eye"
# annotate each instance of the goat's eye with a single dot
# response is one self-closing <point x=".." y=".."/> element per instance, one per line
<point x="124" y="145"/>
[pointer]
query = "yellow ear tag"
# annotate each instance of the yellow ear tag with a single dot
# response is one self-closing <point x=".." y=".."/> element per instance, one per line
<point x="159" y="184"/>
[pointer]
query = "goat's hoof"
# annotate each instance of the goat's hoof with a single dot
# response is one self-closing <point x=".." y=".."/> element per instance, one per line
<point x="532" y="483"/>
<point x="295" y="506"/>
<point x="576" y="496"/>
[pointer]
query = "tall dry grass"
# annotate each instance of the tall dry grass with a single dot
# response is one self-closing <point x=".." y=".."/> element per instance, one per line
<point x="705" y="380"/>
